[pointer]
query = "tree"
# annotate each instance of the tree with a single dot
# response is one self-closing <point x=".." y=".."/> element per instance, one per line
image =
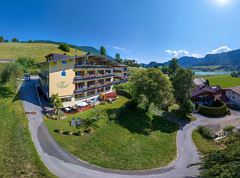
<point x="27" y="64"/>
<point x="10" y="76"/>
<point x="15" y="40"/>
<point x="103" y="51"/>
<point x="182" y="84"/>
<point x="57" y="103"/>
<point x="64" y="47"/>
<point x="1" y="39"/>
<point x="149" y="87"/>
<point x="173" y="66"/>
<point x="118" y="58"/>
<point x="223" y="163"/>
<point x="165" y="69"/>
<point x="207" y="82"/>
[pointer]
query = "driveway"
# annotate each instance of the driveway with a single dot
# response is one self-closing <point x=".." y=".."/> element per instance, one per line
<point x="63" y="164"/>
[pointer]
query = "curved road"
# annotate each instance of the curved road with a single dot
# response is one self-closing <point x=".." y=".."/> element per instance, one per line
<point x="65" y="165"/>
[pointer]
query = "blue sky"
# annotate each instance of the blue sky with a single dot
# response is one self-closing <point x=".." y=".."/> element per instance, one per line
<point x="146" y="30"/>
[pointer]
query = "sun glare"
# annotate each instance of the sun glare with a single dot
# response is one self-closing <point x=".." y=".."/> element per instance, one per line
<point x="222" y="2"/>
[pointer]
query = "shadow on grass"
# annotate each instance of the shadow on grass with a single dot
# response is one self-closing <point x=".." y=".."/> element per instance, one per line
<point x="138" y="122"/>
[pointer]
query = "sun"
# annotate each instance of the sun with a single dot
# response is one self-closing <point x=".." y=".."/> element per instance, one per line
<point x="222" y="2"/>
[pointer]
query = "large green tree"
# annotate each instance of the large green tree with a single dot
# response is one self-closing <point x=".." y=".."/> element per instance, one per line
<point x="64" y="47"/>
<point x="151" y="86"/>
<point x="118" y="58"/>
<point x="173" y="66"/>
<point x="103" y="51"/>
<point x="15" y="40"/>
<point x="11" y="75"/>
<point x="182" y="84"/>
<point x="1" y="39"/>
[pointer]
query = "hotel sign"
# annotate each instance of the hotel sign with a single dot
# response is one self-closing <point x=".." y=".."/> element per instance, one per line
<point x="62" y="84"/>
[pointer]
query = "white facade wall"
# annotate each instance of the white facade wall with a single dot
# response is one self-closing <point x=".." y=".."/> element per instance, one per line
<point x="233" y="97"/>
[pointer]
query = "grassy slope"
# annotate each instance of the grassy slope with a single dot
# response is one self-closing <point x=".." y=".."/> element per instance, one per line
<point x="120" y="146"/>
<point x="224" y="80"/>
<point x="18" y="157"/>
<point x="203" y="145"/>
<point x="37" y="51"/>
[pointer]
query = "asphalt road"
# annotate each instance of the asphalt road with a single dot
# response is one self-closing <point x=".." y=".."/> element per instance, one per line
<point x="65" y="165"/>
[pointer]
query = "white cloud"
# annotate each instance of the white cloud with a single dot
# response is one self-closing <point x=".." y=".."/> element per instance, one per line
<point x="181" y="53"/>
<point x="117" y="48"/>
<point x="221" y="49"/>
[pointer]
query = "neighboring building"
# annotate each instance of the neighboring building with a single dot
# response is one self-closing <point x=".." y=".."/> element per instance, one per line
<point x="199" y="82"/>
<point x="233" y="95"/>
<point x="80" y="77"/>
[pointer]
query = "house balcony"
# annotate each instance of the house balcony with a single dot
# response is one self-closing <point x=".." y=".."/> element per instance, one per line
<point x="89" y="66"/>
<point x="90" y="77"/>
<point x="93" y="87"/>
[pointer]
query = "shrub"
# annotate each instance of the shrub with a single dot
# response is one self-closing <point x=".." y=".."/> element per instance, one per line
<point x="79" y="133"/>
<point x="112" y="116"/>
<point x="64" y="47"/>
<point x="147" y="131"/>
<point x="220" y="110"/>
<point x="89" y="130"/>
<point x="59" y="130"/>
<point x="68" y="132"/>
<point x="205" y="132"/>
<point x="228" y="128"/>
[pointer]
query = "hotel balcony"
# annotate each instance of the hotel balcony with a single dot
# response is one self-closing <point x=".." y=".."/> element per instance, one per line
<point x="89" y="66"/>
<point x="97" y="86"/>
<point x="96" y="76"/>
<point x="93" y="87"/>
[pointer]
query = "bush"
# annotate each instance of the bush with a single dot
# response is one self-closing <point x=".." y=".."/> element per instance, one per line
<point x="79" y="133"/>
<point x="68" y="132"/>
<point x="147" y="131"/>
<point x="228" y="128"/>
<point x="205" y="132"/>
<point x="59" y="130"/>
<point x="64" y="47"/>
<point x="219" y="110"/>
<point x="89" y="130"/>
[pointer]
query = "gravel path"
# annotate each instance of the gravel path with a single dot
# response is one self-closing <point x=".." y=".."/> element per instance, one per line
<point x="65" y="165"/>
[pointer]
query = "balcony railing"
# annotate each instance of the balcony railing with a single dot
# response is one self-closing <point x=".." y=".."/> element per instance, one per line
<point x="88" y="77"/>
<point x="94" y="87"/>
<point x="91" y="66"/>
<point x="97" y="86"/>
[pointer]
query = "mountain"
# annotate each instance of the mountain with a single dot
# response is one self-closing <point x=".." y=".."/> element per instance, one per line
<point x="227" y="59"/>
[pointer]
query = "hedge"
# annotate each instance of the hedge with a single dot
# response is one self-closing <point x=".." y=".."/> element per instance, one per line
<point x="214" y="111"/>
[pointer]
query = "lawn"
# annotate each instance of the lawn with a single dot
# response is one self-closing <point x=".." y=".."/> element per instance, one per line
<point x="204" y="145"/>
<point x="18" y="157"/>
<point x="120" y="144"/>
<point x="36" y="51"/>
<point x="224" y="81"/>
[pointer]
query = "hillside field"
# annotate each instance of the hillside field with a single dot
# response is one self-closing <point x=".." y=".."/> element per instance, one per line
<point x="224" y="81"/>
<point x="36" y="51"/>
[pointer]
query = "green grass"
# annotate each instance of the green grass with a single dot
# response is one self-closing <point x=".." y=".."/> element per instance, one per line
<point x="204" y="145"/>
<point x="224" y="81"/>
<point x="36" y="51"/>
<point x="121" y="145"/>
<point x="18" y="157"/>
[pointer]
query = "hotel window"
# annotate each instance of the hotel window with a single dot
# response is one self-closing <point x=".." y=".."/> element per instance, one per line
<point x="91" y="93"/>
<point x="63" y="73"/>
<point x="64" y="62"/>
<point x="107" y="88"/>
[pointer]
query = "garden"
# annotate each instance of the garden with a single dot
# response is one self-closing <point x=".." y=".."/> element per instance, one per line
<point x="121" y="138"/>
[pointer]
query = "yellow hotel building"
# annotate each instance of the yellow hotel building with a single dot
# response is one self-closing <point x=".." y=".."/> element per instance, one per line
<point x="79" y="78"/>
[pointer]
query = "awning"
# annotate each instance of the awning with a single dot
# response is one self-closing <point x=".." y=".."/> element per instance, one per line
<point x="81" y="103"/>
